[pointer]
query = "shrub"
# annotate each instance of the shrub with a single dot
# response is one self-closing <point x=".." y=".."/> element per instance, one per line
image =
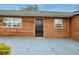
<point x="4" y="49"/>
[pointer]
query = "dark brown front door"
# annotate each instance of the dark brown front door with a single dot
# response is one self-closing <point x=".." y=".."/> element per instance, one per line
<point x="39" y="28"/>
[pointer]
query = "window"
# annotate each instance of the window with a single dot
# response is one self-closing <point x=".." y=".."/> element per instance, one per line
<point x="12" y="22"/>
<point x="17" y="22"/>
<point x="58" y="24"/>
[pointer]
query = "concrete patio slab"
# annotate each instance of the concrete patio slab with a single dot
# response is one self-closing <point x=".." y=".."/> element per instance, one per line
<point x="64" y="46"/>
<point x="41" y="46"/>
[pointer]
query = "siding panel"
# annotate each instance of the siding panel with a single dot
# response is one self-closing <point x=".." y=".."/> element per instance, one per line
<point x="56" y="33"/>
<point x="27" y="29"/>
<point x="74" y="29"/>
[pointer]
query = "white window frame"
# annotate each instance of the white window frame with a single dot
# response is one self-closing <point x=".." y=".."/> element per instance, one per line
<point x="59" y="21"/>
<point x="12" y="19"/>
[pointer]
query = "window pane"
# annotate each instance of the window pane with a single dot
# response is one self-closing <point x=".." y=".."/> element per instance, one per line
<point x="7" y="22"/>
<point x="17" y="22"/>
<point x="58" y="23"/>
<point x="12" y="22"/>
